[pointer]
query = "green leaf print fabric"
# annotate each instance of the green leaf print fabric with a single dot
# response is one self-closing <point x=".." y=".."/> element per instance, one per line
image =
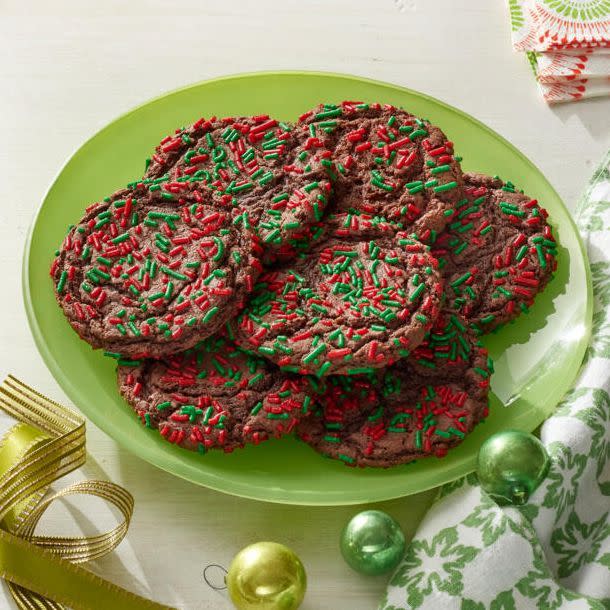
<point x="554" y="552"/>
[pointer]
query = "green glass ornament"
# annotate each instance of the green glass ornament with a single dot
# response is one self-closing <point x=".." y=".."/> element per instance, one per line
<point x="372" y="542"/>
<point x="266" y="576"/>
<point x="511" y="465"/>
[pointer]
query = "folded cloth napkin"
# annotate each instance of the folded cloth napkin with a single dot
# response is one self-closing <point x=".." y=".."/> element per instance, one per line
<point x="554" y="552"/>
<point x="563" y="66"/>
<point x="569" y="91"/>
<point x="565" y="40"/>
<point x="566" y="76"/>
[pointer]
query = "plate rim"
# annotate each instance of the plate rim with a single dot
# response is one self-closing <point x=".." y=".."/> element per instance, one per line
<point x="250" y="493"/>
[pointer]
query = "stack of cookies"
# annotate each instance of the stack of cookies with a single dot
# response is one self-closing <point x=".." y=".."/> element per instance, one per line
<point x="329" y="278"/>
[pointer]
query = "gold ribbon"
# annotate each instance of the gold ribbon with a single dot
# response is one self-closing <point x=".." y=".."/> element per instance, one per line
<point x="42" y="571"/>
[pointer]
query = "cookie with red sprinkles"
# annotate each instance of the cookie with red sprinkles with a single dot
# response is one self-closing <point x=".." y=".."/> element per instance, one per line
<point x="215" y="396"/>
<point x="143" y="274"/>
<point x="274" y="177"/>
<point x="497" y="252"/>
<point x="360" y="299"/>
<point x="389" y="163"/>
<point x="421" y="406"/>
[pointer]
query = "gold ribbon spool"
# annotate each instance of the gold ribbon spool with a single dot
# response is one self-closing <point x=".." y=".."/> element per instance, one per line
<point x="42" y="571"/>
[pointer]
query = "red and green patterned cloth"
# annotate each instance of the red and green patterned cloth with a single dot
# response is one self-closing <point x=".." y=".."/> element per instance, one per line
<point x="553" y="553"/>
<point x="567" y="43"/>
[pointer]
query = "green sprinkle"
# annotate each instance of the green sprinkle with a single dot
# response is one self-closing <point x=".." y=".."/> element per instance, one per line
<point x="209" y="315"/>
<point x="134" y="329"/>
<point x="346" y="458"/>
<point x="272" y="236"/>
<point x="460" y="280"/>
<point x="445" y="187"/>
<point x="318" y="308"/>
<point x="417" y="292"/>
<point x="320" y="349"/>
<point x="322" y="370"/>
<point x="328" y="114"/>
<point x="417" y="133"/>
<point x="220" y="249"/>
<point x="208" y="413"/>
<point x="278" y="415"/>
<point x="257" y="407"/>
<point x="62" y="281"/>
<point x="541" y="257"/>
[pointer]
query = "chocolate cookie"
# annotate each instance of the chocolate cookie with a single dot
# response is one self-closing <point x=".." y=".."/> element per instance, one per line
<point x="421" y="406"/>
<point x="214" y="396"/>
<point x="273" y="176"/>
<point x="497" y="253"/>
<point x="360" y="299"/>
<point x="390" y="163"/>
<point x="152" y="273"/>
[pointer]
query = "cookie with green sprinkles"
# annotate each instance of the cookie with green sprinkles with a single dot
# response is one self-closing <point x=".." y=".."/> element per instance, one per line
<point x="362" y="297"/>
<point x="142" y="274"/>
<point x="215" y="396"/>
<point x="497" y="252"/>
<point x="274" y="177"/>
<point x="389" y="163"/>
<point x="419" y="407"/>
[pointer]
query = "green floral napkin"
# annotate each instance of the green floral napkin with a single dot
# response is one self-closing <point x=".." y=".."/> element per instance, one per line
<point x="554" y="552"/>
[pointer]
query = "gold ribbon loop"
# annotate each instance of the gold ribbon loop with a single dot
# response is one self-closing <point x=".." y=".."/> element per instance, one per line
<point x="79" y="549"/>
<point x="48" y="443"/>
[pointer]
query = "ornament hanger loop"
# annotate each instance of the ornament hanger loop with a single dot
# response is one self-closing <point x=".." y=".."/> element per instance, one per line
<point x="207" y="580"/>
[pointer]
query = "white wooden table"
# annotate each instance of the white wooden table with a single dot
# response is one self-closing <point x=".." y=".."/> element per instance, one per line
<point x="70" y="66"/>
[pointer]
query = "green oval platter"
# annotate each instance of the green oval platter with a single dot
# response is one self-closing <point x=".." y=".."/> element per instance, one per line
<point x="537" y="357"/>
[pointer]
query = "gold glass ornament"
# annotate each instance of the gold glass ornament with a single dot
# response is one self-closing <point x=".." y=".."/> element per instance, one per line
<point x="266" y="576"/>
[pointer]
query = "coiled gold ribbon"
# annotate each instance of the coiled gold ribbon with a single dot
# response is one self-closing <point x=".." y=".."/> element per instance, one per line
<point x="41" y="571"/>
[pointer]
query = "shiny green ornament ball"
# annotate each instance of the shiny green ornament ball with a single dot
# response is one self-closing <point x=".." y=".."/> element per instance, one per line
<point x="372" y="542"/>
<point x="511" y="465"/>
